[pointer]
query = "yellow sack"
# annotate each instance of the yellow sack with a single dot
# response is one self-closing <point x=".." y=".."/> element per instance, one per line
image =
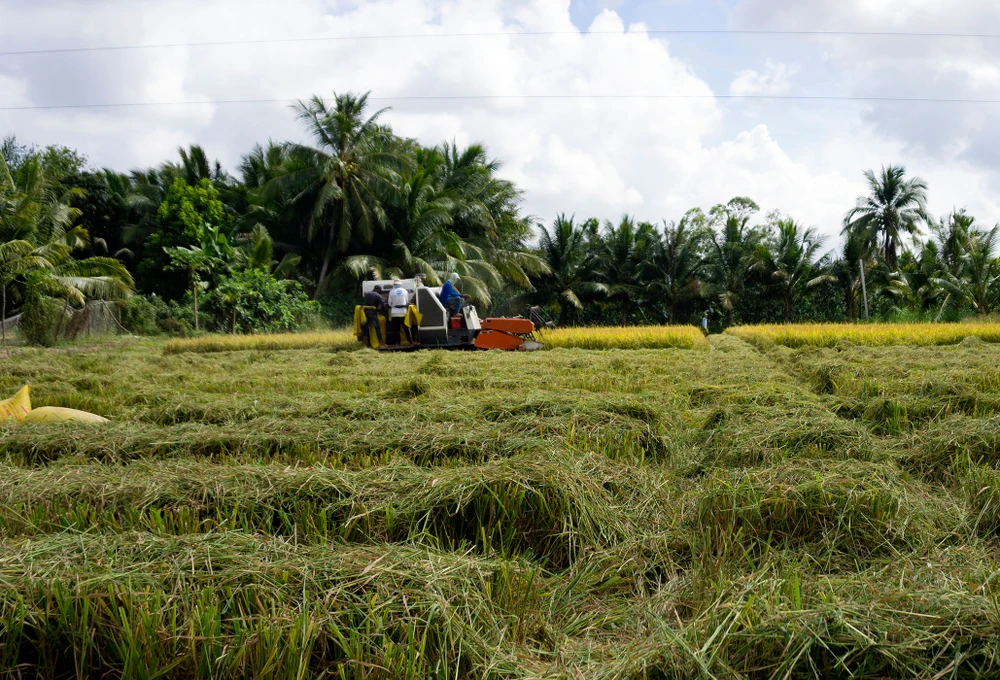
<point x="17" y="407"/>
<point x="58" y="414"/>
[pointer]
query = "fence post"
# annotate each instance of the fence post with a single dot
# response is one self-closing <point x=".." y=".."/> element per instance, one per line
<point x="864" y="288"/>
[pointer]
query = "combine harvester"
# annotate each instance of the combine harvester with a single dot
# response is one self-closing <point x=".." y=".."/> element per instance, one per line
<point x="438" y="328"/>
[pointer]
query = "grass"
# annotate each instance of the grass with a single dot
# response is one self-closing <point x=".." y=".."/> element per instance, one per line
<point x="868" y="335"/>
<point x="738" y="512"/>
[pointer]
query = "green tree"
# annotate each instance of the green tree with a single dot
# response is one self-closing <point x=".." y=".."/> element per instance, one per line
<point x="193" y="261"/>
<point x="894" y="205"/>
<point x="354" y="173"/>
<point x="676" y="268"/>
<point x="256" y="251"/>
<point x="181" y="220"/>
<point x="571" y="280"/>
<point x="421" y="221"/>
<point x="847" y="270"/>
<point x="487" y="213"/>
<point x="731" y="252"/>
<point x="789" y="263"/>
<point x="440" y="225"/>
<point x="976" y="283"/>
<point x="17" y="259"/>
<point x="257" y="302"/>
<point x="620" y="258"/>
<point x="273" y="202"/>
<point x="38" y="236"/>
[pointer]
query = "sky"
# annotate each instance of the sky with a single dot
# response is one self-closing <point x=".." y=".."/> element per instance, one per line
<point x="616" y="150"/>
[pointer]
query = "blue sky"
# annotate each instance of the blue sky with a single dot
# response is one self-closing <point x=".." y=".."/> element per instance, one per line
<point x="653" y="158"/>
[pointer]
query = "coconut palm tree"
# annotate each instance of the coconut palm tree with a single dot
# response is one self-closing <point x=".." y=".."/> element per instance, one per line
<point x="256" y="251"/>
<point x="976" y="284"/>
<point x="38" y="237"/>
<point x="894" y="205"/>
<point x="621" y="252"/>
<point x="354" y="173"/>
<point x="571" y="280"/>
<point x="421" y="222"/>
<point x="486" y="212"/>
<point x="847" y="270"/>
<point x="790" y="263"/>
<point x="426" y="239"/>
<point x="17" y="259"/>
<point x="731" y="253"/>
<point x="195" y="166"/>
<point x="676" y="269"/>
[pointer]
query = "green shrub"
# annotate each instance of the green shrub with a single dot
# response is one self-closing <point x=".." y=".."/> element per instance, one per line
<point x="338" y="308"/>
<point x="152" y="315"/>
<point x="253" y="301"/>
<point x="139" y="314"/>
<point x="40" y="319"/>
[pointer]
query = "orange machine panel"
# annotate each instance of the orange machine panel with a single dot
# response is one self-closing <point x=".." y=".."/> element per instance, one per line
<point x="497" y="340"/>
<point x="517" y="326"/>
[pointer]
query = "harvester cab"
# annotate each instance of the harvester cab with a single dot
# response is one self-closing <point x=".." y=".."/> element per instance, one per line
<point x="436" y="326"/>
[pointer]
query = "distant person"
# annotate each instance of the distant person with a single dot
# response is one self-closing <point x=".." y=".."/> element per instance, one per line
<point x="374" y="305"/>
<point x="704" y="324"/>
<point x="450" y="297"/>
<point x="399" y="302"/>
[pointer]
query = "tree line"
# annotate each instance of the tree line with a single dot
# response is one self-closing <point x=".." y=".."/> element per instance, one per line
<point x="284" y="240"/>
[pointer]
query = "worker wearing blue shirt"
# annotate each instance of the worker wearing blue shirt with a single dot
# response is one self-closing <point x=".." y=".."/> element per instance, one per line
<point x="451" y="298"/>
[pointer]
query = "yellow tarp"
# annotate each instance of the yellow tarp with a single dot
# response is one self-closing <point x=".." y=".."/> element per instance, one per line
<point x="412" y="320"/>
<point x="17" y="407"/>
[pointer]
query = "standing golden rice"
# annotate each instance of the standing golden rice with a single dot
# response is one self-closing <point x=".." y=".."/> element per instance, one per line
<point x="871" y="335"/>
<point x="276" y="341"/>
<point x="630" y="337"/>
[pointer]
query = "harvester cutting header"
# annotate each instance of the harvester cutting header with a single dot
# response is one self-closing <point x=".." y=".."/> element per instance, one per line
<point x="404" y="314"/>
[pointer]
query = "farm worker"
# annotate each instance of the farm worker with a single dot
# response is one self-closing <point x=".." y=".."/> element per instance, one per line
<point x="451" y="298"/>
<point x="374" y="306"/>
<point x="704" y="324"/>
<point x="399" y="302"/>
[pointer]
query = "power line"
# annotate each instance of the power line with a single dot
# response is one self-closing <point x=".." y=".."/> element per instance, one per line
<point x="762" y="97"/>
<point x="511" y="34"/>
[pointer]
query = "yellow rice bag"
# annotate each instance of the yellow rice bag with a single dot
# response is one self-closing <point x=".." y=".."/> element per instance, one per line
<point x="17" y="407"/>
<point x="58" y="414"/>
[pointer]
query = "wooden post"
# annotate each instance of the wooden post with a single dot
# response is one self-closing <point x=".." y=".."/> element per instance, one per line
<point x="864" y="288"/>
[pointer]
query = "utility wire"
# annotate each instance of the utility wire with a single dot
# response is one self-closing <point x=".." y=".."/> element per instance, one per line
<point x="510" y="34"/>
<point x="767" y="97"/>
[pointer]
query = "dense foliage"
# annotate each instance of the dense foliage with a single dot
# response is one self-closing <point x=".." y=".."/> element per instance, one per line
<point x="359" y="202"/>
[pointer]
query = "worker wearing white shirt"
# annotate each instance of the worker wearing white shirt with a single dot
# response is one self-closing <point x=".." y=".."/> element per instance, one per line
<point x="399" y="301"/>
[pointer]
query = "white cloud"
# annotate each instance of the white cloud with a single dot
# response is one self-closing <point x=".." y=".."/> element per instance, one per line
<point x="599" y="156"/>
<point x="776" y="78"/>
<point x="906" y="66"/>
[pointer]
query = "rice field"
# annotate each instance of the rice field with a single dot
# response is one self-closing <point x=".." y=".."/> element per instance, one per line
<point x="343" y="340"/>
<point x="868" y="335"/>
<point x="745" y="511"/>
<point x="629" y="337"/>
<point x="634" y="337"/>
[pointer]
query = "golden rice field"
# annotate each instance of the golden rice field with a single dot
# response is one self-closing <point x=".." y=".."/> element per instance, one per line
<point x="342" y="339"/>
<point x="868" y="335"/>
<point x="634" y="337"/>
<point x="630" y="337"/>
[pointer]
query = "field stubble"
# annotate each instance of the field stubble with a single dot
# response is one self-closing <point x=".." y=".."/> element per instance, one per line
<point x="740" y="512"/>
